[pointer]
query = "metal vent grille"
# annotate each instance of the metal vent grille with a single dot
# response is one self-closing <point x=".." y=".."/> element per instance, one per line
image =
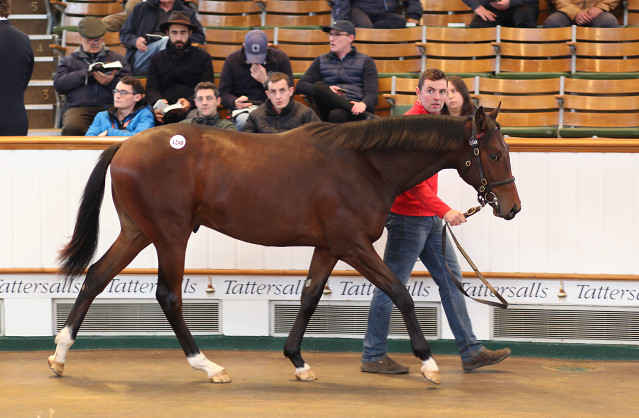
<point x="350" y="320"/>
<point x="559" y="323"/>
<point x="143" y="318"/>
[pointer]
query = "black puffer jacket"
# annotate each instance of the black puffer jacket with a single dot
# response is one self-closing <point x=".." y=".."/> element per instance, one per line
<point x="265" y="120"/>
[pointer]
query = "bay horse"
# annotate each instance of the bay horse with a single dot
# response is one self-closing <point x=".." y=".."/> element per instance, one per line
<point x="329" y="186"/>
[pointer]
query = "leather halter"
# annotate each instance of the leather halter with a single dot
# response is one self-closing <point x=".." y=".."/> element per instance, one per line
<point x="484" y="194"/>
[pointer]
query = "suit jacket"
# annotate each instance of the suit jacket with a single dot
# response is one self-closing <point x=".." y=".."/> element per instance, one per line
<point x="16" y="67"/>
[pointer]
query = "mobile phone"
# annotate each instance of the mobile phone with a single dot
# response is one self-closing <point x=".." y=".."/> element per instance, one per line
<point x="341" y="90"/>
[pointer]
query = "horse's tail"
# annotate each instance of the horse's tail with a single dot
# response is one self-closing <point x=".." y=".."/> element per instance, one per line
<point x="78" y="253"/>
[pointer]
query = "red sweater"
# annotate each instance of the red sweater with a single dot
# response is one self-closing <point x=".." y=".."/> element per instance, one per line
<point x="422" y="199"/>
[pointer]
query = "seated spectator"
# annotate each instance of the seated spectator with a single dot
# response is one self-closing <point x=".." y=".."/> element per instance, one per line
<point x="381" y="14"/>
<point x="87" y="92"/>
<point x="114" y="22"/>
<point x="509" y="13"/>
<point x="207" y="99"/>
<point x="175" y="71"/>
<point x="147" y="18"/>
<point x="129" y="114"/>
<point x="280" y="113"/>
<point x="245" y="71"/>
<point x="593" y="13"/>
<point x="458" y="101"/>
<point x="343" y="82"/>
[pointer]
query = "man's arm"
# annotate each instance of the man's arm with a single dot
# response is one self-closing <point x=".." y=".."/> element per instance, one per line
<point x="250" y="125"/>
<point x="153" y="87"/>
<point x="312" y="75"/>
<point x="414" y="10"/>
<point x="369" y="84"/>
<point x="227" y="84"/>
<point x="67" y="78"/>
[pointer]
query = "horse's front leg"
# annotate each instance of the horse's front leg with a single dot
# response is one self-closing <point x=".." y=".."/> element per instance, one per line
<point x="365" y="260"/>
<point x="169" y="296"/>
<point x="98" y="277"/>
<point x="321" y="267"/>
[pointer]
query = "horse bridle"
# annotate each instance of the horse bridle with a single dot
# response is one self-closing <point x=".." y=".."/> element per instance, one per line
<point x="484" y="194"/>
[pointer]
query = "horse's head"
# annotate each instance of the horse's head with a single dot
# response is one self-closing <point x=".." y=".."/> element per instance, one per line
<point x="485" y="165"/>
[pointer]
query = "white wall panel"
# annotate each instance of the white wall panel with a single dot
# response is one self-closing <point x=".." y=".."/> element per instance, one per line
<point x="7" y="250"/>
<point x="589" y="212"/>
<point x="26" y="202"/>
<point x="617" y="209"/>
<point x="578" y="216"/>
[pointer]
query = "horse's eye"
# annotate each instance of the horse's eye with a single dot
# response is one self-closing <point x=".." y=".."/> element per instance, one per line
<point x="494" y="157"/>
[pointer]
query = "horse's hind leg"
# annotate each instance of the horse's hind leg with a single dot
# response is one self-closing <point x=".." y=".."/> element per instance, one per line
<point x="365" y="260"/>
<point x="169" y="296"/>
<point x="322" y="264"/>
<point x="121" y="253"/>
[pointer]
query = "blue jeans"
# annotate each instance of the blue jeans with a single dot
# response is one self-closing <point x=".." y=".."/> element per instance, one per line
<point x="143" y="59"/>
<point x="409" y="238"/>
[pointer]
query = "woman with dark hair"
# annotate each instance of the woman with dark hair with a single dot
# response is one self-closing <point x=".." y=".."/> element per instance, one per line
<point x="458" y="101"/>
<point x="16" y="67"/>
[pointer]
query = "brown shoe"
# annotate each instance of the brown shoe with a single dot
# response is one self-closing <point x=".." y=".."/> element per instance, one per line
<point x="384" y="366"/>
<point x="486" y="358"/>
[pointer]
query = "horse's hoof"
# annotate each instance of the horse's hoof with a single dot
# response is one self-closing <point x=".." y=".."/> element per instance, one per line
<point x="220" y="377"/>
<point x="306" y="375"/>
<point x="431" y="376"/>
<point x="57" y="368"/>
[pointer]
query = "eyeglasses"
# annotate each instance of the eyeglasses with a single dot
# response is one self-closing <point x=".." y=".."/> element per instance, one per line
<point x="337" y="34"/>
<point x="94" y="41"/>
<point x="122" y="92"/>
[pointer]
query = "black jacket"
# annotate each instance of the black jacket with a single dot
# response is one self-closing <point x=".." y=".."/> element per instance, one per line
<point x="236" y="80"/>
<point x="265" y="120"/>
<point x="71" y="78"/>
<point x="143" y="19"/>
<point x="173" y="75"/>
<point x="342" y="8"/>
<point x="16" y="67"/>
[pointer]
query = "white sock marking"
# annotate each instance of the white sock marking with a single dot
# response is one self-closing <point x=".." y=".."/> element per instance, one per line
<point x="64" y="342"/>
<point x="299" y="370"/>
<point x="200" y="362"/>
<point x="429" y="365"/>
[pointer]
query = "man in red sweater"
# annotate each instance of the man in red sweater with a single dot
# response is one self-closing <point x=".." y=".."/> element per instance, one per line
<point x="415" y="231"/>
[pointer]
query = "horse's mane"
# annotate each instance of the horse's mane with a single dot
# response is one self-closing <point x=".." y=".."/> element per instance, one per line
<point x="432" y="132"/>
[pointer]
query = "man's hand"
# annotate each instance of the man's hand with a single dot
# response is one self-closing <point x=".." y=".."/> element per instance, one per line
<point x="485" y="14"/>
<point x="159" y="115"/>
<point x="500" y="4"/>
<point x="242" y="102"/>
<point x="258" y="72"/>
<point x="102" y="133"/>
<point x="337" y="90"/>
<point x="583" y="18"/>
<point x="454" y="217"/>
<point x="102" y="78"/>
<point x="358" y="107"/>
<point x="140" y="44"/>
<point x="593" y="12"/>
<point x="186" y="105"/>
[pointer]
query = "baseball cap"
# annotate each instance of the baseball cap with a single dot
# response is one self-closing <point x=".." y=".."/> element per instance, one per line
<point x="255" y="46"/>
<point x="91" y="28"/>
<point x="342" y="26"/>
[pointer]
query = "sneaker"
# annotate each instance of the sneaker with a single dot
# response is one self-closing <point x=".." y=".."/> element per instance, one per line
<point x="486" y="358"/>
<point x="384" y="366"/>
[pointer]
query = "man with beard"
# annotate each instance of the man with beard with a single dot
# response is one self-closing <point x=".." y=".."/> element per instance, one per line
<point x="175" y="71"/>
<point x="147" y="18"/>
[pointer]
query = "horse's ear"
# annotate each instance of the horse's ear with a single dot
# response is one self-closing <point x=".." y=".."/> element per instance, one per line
<point x="495" y="112"/>
<point x="480" y="120"/>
